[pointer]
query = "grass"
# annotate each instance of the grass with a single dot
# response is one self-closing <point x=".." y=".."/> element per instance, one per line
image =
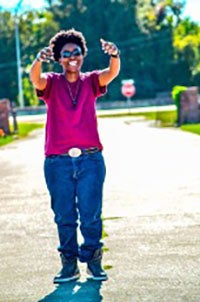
<point x="26" y="128"/>
<point x="161" y="118"/>
<point x="169" y="118"/>
<point x="164" y="118"/>
<point x="23" y="131"/>
<point x="193" y="128"/>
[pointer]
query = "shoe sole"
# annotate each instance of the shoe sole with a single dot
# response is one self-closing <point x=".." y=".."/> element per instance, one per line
<point x="91" y="277"/>
<point x="65" y="280"/>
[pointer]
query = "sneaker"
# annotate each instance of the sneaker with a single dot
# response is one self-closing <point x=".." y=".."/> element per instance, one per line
<point x="94" y="268"/>
<point x="69" y="271"/>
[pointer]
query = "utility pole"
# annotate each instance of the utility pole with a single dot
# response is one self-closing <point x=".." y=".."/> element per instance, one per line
<point x="18" y="55"/>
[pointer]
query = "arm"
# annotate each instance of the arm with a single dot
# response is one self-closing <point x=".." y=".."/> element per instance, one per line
<point x="108" y="74"/>
<point x="38" y="78"/>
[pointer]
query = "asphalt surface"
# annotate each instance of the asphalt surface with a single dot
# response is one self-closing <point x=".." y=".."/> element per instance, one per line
<point x="151" y="216"/>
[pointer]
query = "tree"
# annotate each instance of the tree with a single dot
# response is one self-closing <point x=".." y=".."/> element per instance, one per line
<point x="8" y="71"/>
<point x="42" y="27"/>
<point x="158" y="49"/>
<point x="35" y="30"/>
<point x="155" y="14"/>
<point x="187" y="45"/>
<point x="157" y="20"/>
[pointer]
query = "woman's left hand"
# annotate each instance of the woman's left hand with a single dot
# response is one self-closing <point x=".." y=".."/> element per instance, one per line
<point x="109" y="47"/>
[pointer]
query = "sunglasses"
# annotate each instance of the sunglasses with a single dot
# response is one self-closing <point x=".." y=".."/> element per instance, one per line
<point x="75" y="53"/>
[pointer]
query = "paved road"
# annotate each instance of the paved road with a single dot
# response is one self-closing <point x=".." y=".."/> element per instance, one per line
<point x="151" y="211"/>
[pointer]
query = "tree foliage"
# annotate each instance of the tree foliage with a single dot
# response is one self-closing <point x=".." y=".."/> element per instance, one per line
<point x="187" y="44"/>
<point x="158" y="49"/>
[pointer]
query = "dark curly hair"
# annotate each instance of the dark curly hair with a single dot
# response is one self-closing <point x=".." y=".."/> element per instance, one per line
<point x="67" y="36"/>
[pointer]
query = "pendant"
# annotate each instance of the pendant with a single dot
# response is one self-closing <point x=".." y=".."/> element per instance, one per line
<point x="74" y="98"/>
<point x="74" y="102"/>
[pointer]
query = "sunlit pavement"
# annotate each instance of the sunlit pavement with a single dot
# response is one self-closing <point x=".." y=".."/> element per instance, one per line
<point x="151" y="211"/>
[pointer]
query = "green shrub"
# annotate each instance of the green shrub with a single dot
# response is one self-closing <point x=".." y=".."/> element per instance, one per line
<point x="176" y="93"/>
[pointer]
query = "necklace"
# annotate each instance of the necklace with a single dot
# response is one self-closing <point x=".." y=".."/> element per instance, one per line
<point x="74" y="98"/>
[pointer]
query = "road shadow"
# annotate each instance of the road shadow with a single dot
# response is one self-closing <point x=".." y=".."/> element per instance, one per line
<point x="88" y="291"/>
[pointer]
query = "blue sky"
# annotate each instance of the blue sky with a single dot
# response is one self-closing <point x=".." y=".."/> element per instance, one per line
<point x="28" y="3"/>
<point x="191" y="9"/>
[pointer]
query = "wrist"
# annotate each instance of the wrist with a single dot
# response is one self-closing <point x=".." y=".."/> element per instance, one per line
<point x="38" y="58"/>
<point x="116" y="54"/>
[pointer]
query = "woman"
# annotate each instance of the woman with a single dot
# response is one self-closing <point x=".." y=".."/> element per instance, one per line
<point x="74" y="165"/>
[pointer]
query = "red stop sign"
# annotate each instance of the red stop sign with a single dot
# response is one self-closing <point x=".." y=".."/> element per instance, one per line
<point x="128" y="89"/>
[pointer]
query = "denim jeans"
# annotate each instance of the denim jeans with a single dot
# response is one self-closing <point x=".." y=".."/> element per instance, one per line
<point x="75" y="186"/>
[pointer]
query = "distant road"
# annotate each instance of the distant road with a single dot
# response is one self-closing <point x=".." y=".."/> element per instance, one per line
<point x="40" y="118"/>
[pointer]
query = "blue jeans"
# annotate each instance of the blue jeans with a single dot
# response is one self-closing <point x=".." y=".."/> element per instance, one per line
<point x="75" y="186"/>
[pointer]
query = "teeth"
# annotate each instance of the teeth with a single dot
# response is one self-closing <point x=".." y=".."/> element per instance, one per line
<point x="73" y="63"/>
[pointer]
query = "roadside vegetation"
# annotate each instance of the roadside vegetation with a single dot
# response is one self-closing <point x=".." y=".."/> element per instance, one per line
<point x="161" y="118"/>
<point x="24" y="130"/>
<point x="193" y="128"/>
<point x="164" y="118"/>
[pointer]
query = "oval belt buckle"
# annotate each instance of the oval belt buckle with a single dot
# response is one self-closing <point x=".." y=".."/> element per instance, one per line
<point x="74" y="152"/>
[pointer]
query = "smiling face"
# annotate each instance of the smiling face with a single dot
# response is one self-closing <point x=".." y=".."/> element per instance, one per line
<point x="71" y="58"/>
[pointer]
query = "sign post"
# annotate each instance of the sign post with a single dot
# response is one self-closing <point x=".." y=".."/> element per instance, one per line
<point x="128" y="90"/>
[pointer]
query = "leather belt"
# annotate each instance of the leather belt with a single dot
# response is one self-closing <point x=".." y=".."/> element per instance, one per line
<point x="76" y="152"/>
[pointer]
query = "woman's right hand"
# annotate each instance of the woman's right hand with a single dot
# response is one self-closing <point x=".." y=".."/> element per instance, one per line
<point x="45" y="55"/>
